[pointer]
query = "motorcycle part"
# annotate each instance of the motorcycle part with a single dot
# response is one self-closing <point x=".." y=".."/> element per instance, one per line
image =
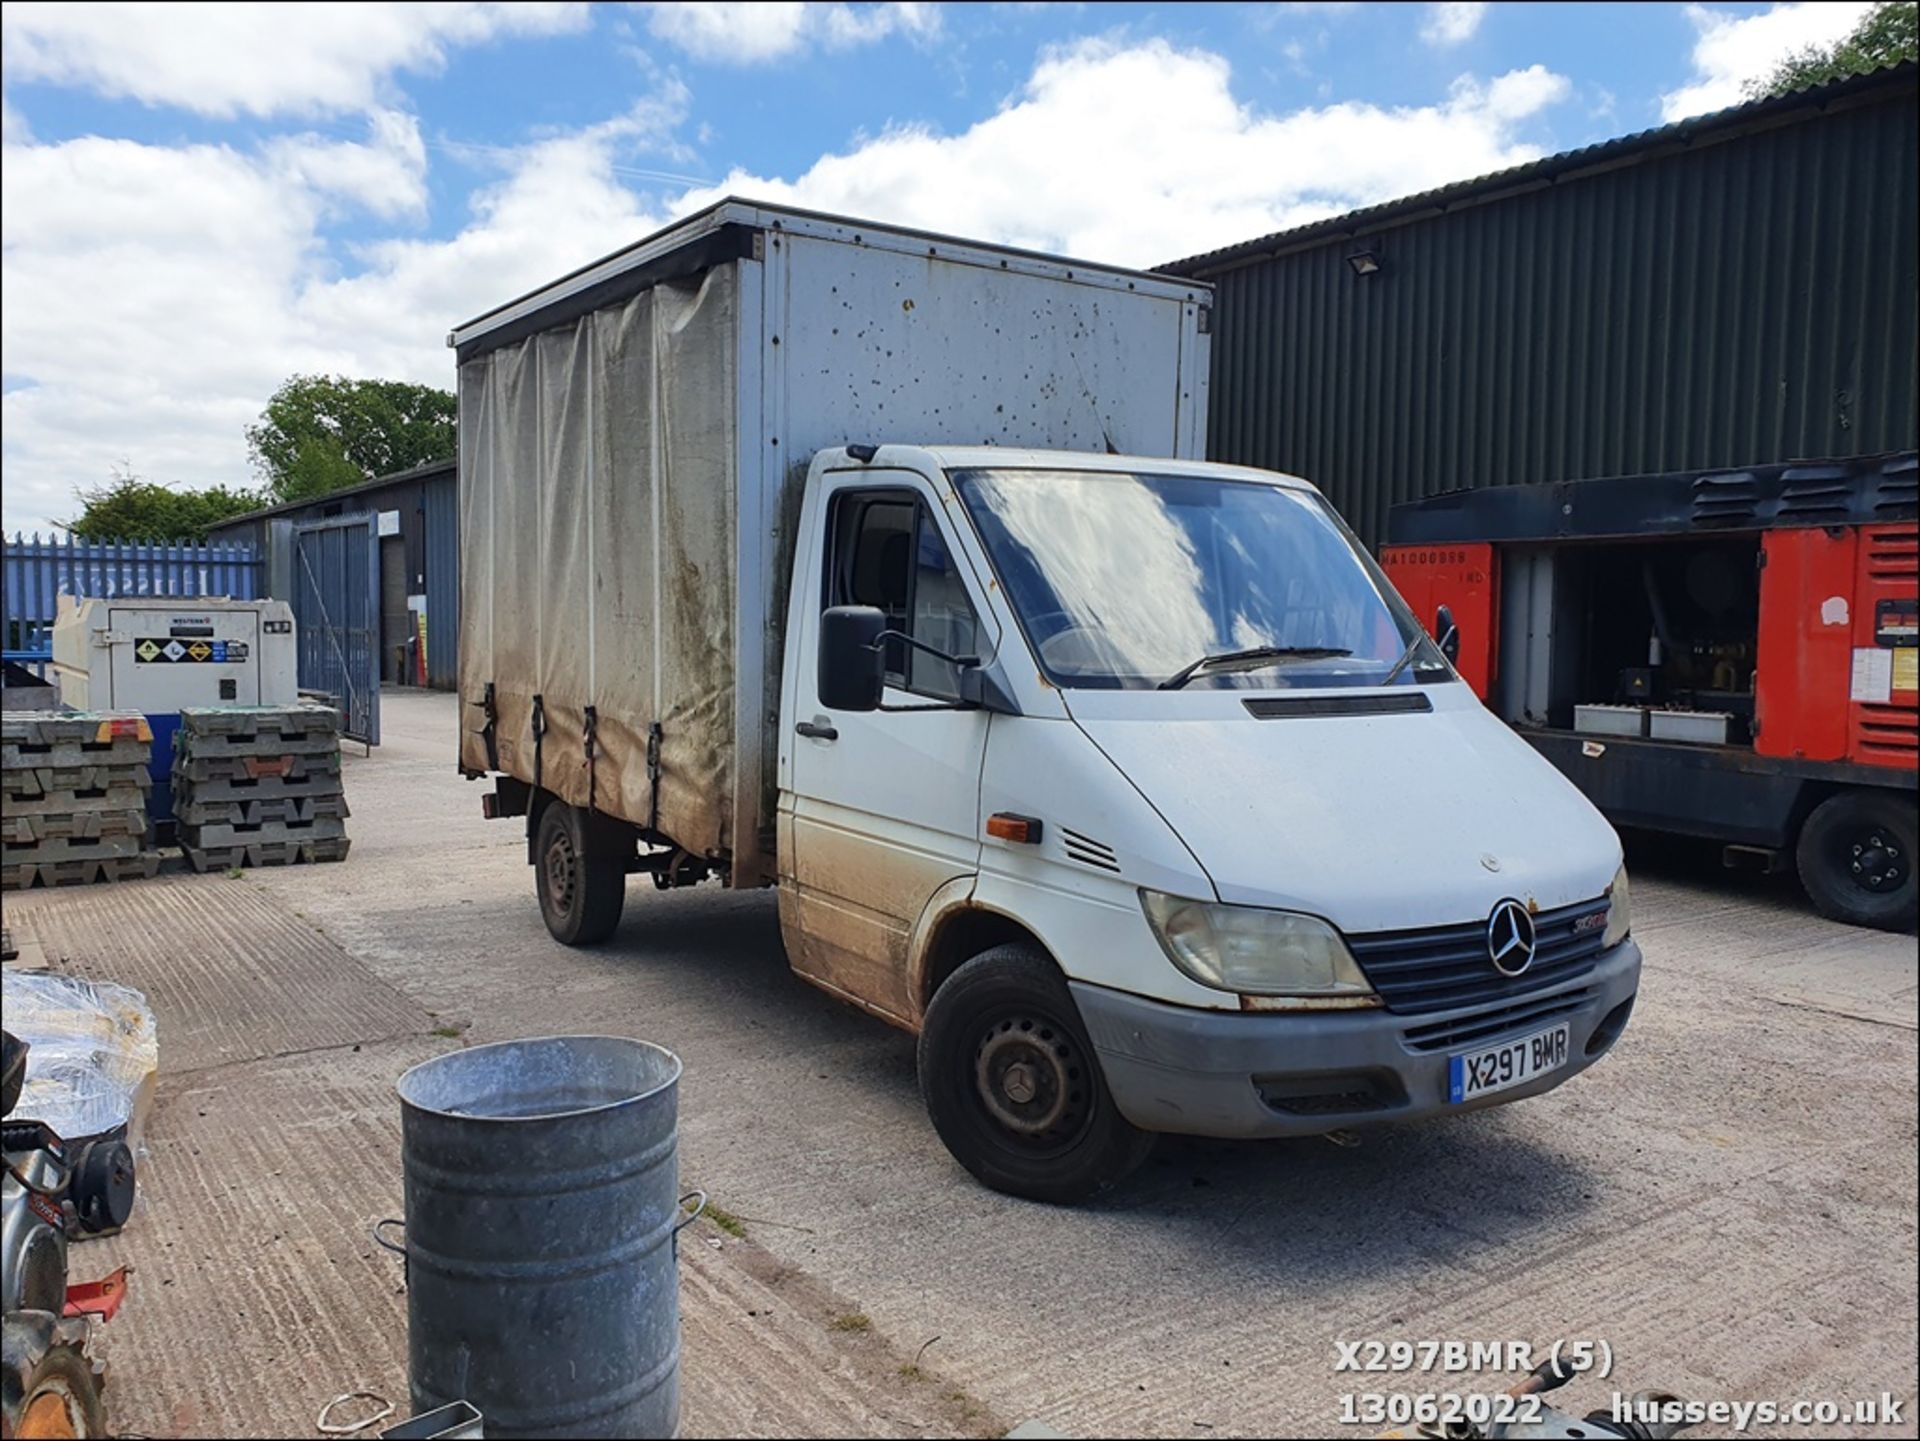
<point x="48" y="1386"/>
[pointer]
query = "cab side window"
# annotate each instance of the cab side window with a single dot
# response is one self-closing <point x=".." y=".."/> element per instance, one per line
<point x="888" y="553"/>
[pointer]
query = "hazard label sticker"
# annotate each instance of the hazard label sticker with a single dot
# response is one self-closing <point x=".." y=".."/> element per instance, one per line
<point x="190" y="652"/>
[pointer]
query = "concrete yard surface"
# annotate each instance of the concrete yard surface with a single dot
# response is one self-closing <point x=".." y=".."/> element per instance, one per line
<point x="1728" y="1201"/>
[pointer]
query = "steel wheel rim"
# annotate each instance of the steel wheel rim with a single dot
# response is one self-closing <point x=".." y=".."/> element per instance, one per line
<point x="1874" y="860"/>
<point x="560" y="871"/>
<point x="1031" y="1082"/>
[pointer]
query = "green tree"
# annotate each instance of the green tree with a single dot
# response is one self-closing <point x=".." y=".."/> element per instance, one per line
<point x="322" y="432"/>
<point x="130" y="508"/>
<point x="1889" y="34"/>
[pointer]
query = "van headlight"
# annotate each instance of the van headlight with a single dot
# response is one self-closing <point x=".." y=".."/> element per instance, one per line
<point x="1253" y="951"/>
<point x="1619" y="910"/>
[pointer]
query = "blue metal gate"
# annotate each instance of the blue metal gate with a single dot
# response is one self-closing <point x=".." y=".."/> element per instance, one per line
<point x="336" y="612"/>
<point x="38" y="572"/>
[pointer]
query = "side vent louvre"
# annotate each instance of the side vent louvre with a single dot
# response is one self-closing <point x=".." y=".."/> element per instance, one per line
<point x="1899" y="488"/>
<point x="1088" y="851"/>
<point x="1887" y="734"/>
<point x="1729" y="499"/>
<point x="1892" y="555"/>
<point x="1816" y="493"/>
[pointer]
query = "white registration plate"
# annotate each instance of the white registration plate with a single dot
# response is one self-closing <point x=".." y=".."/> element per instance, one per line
<point x="1511" y="1063"/>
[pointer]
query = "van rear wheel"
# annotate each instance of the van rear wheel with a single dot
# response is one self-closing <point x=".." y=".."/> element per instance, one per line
<point x="1013" y="1086"/>
<point x="1856" y="859"/>
<point x="580" y="874"/>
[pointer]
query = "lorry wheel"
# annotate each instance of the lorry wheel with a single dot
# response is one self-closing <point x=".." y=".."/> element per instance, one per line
<point x="1014" y="1088"/>
<point x="1856" y="855"/>
<point x="581" y="878"/>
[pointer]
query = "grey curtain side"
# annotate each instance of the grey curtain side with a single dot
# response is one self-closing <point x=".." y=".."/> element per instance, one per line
<point x="598" y="500"/>
<point x="476" y="569"/>
<point x="694" y="324"/>
<point x="622" y="562"/>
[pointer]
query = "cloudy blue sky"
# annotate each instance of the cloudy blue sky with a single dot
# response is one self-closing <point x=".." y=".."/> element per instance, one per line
<point x="200" y="200"/>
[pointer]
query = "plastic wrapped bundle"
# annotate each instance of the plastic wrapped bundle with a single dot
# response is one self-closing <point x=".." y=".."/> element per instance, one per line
<point x="94" y="1056"/>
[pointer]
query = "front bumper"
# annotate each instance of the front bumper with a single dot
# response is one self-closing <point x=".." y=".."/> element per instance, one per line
<point x="1303" y="1073"/>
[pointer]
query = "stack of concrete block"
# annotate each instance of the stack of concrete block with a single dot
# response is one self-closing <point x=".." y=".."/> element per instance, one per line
<point x="75" y="786"/>
<point x="259" y="786"/>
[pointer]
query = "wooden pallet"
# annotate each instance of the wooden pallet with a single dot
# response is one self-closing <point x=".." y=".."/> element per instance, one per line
<point x="259" y="809"/>
<point x="241" y="723"/>
<point x="188" y="790"/>
<point x="47" y="728"/>
<point x="19" y="875"/>
<point x="32" y="755"/>
<point x="121" y="795"/>
<point x="198" y="769"/>
<point x="72" y="848"/>
<point x="266" y="853"/>
<point x="17" y="829"/>
<point x="259" y="743"/>
<point x="221" y="835"/>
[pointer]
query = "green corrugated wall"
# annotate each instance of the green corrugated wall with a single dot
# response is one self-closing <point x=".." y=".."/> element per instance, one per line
<point x="1749" y="300"/>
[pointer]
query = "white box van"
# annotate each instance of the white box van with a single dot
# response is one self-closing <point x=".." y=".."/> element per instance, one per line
<point x="1126" y="782"/>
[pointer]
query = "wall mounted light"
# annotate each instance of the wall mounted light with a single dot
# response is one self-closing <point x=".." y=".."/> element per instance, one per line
<point x="1364" y="262"/>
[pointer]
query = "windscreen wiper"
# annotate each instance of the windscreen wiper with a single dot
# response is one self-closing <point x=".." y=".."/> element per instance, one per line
<point x="1407" y="656"/>
<point x="1250" y="660"/>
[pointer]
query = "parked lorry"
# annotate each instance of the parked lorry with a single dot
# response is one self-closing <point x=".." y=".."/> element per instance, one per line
<point x="882" y="568"/>
<point x="1726" y="654"/>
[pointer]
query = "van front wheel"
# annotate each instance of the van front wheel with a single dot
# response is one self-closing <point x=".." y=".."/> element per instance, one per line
<point x="579" y="873"/>
<point x="1014" y="1088"/>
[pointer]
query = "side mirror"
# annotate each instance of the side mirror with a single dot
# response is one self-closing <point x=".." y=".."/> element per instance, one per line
<point x="851" y="657"/>
<point x="1449" y="634"/>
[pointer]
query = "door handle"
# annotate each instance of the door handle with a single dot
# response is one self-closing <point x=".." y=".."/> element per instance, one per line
<point x="817" y="729"/>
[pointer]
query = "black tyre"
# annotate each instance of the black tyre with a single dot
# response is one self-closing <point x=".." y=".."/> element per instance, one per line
<point x="581" y="874"/>
<point x="1014" y="1088"/>
<point x="1856" y="855"/>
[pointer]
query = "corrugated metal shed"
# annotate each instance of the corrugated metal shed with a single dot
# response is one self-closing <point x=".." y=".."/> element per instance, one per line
<point x="424" y="560"/>
<point x="443" y="582"/>
<point x="1735" y="289"/>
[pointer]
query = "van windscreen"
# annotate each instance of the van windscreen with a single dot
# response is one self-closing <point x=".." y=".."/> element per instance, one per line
<point x="1126" y="580"/>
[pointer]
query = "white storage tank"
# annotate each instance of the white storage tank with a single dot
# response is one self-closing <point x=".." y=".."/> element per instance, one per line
<point x="159" y="654"/>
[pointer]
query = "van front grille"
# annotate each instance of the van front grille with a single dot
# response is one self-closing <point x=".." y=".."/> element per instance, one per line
<point x="1445" y="968"/>
<point x="1494" y="1021"/>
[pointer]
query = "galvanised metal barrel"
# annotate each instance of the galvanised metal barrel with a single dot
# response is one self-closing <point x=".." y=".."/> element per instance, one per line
<point x="542" y="1200"/>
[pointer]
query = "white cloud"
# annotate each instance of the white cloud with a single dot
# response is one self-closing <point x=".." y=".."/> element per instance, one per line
<point x="757" y="31"/>
<point x="224" y="59"/>
<point x="387" y="176"/>
<point x="152" y="296"/>
<point x="1452" y="22"/>
<point x="1142" y="153"/>
<point x="1732" y="49"/>
<point x="14" y="129"/>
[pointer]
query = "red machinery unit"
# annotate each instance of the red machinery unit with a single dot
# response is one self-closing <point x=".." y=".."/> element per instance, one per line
<point x="1729" y="655"/>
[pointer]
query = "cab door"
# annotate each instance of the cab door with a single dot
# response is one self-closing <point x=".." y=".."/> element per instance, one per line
<point x="880" y="809"/>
